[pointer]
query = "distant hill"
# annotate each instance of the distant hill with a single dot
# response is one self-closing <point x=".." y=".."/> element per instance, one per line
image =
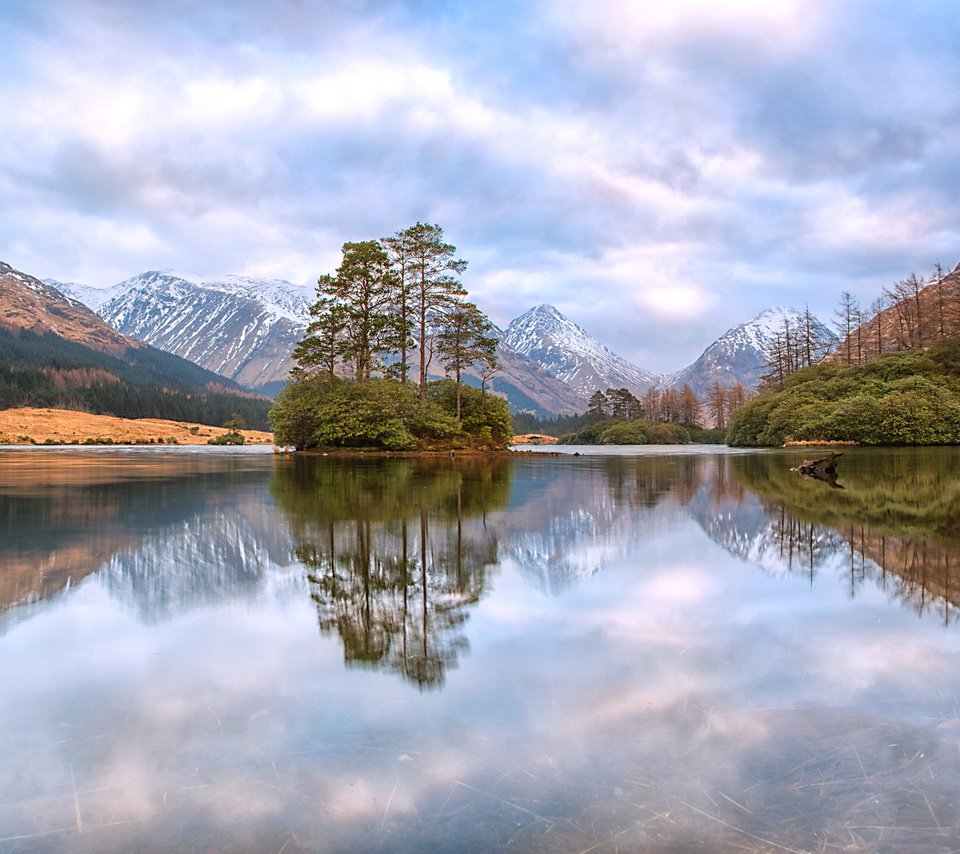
<point x="245" y="329"/>
<point x="55" y="352"/>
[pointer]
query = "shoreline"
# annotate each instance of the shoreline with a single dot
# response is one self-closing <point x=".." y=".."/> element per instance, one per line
<point x="45" y="427"/>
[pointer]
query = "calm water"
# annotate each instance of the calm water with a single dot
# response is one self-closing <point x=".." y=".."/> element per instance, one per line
<point x="232" y="651"/>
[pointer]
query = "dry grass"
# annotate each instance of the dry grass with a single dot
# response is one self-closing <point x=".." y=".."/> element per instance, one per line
<point x="25" y="426"/>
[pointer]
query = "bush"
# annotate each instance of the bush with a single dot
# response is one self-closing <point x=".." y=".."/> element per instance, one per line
<point x="897" y="399"/>
<point x="231" y="437"/>
<point x="625" y="433"/>
<point x="667" y="434"/>
<point x="385" y="414"/>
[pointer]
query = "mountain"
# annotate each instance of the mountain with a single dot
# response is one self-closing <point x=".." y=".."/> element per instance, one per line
<point x="241" y="328"/>
<point x="54" y="351"/>
<point x="245" y="329"/>
<point x="740" y="354"/>
<point x="573" y="356"/>
<point x="27" y="303"/>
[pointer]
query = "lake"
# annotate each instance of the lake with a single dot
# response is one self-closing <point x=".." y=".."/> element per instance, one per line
<point x="657" y="650"/>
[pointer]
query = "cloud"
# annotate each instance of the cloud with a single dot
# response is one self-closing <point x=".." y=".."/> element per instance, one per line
<point x="688" y="164"/>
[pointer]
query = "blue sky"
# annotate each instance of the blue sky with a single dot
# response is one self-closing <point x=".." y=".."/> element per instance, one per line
<point x="658" y="171"/>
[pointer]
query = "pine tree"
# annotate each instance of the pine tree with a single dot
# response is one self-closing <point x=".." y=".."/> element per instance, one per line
<point x="598" y="405"/>
<point x="465" y="338"/>
<point x="435" y="288"/>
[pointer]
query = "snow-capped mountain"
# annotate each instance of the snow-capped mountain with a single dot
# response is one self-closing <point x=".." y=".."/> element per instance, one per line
<point x="572" y="355"/>
<point x="246" y="328"/>
<point x="241" y="328"/>
<point x="740" y="354"/>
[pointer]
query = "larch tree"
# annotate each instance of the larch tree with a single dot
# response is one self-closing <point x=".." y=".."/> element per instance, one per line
<point x="846" y="314"/>
<point x="717" y="406"/>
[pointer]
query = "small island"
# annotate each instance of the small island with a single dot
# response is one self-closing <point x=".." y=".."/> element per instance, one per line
<point x="392" y="306"/>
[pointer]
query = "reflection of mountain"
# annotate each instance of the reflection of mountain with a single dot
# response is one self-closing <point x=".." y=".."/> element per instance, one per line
<point x="567" y="521"/>
<point x="218" y="551"/>
<point x="893" y="525"/>
<point x="397" y="551"/>
<point x="164" y="537"/>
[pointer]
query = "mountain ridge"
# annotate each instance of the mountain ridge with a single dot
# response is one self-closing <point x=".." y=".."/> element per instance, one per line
<point x="245" y="328"/>
<point x="56" y="352"/>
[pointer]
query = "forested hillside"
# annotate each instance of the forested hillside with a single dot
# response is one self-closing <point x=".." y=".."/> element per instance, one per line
<point x="49" y="371"/>
<point x="909" y="398"/>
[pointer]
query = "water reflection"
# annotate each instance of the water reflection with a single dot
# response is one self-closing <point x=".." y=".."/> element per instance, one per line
<point x="896" y="523"/>
<point x="165" y="532"/>
<point x="664" y="655"/>
<point x="397" y="551"/>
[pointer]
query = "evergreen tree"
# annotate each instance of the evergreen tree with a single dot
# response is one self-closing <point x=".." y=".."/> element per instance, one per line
<point x="435" y="288"/>
<point x="320" y="349"/>
<point x="465" y="338"/>
<point x="598" y="405"/>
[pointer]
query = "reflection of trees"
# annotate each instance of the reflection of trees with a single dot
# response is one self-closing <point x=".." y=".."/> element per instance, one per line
<point x="397" y="551"/>
<point x="895" y="524"/>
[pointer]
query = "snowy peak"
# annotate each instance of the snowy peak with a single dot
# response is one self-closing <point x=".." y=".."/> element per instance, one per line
<point x="740" y="354"/>
<point x="571" y="354"/>
<point x="240" y="327"/>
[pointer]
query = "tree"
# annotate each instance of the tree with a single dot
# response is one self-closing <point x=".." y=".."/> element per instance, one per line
<point x="465" y="338"/>
<point x="689" y="407"/>
<point x="846" y="314"/>
<point x="400" y="249"/>
<point x="717" y="404"/>
<point x="435" y="288"/>
<point x="623" y="404"/>
<point x="319" y="349"/>
<point x="650" y="405"/>
<point x="597" y="405"/>
<point x="362" y="288"/>
<point x="877" y="307"/>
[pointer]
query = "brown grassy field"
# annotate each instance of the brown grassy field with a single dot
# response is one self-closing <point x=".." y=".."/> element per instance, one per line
<point x="26" y="426"/>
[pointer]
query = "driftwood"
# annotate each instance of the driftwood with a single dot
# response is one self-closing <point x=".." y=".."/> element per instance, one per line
<point x="822" y="468"/>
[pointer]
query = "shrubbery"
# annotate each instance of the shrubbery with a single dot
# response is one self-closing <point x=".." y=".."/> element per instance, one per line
<point x="629" y="432"/>
<point x="385" y="414"/>
<point x="897" y="399"/>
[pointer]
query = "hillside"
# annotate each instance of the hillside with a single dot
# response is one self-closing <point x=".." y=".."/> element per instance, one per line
<point x="910" y="398"/>
<point x="55" y="352"/>
<point x="914" y="314"/>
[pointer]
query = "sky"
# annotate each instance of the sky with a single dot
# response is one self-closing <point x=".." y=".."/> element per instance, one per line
<point x="658" y="171"/>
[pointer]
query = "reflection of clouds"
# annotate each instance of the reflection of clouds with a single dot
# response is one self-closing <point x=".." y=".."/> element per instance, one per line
<point x="676" y="677"/>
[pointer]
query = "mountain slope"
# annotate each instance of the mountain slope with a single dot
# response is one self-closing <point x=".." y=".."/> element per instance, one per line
<point x="27" y="303"/>
<point x="55" y="352"/>
<point x="240" y="328"/>
<point x="246" y="329"/>
<point x="915" y="319"/>
<point x="573" y="356"/>
<point x="740" y="354"/>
